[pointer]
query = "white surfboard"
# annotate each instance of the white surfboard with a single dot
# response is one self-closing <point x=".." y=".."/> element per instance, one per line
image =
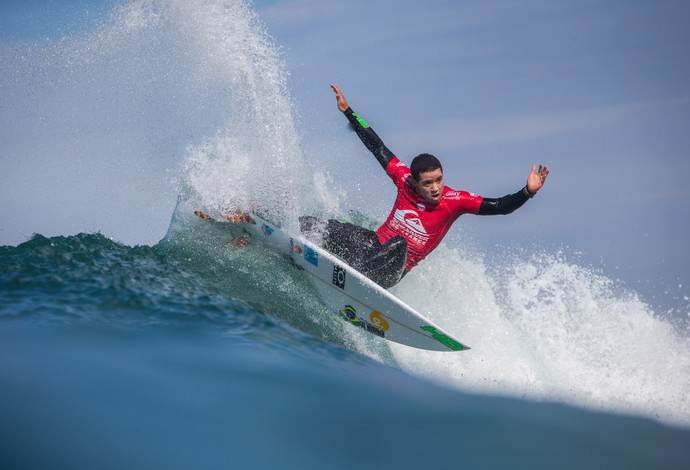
<point x="350" y="294"/>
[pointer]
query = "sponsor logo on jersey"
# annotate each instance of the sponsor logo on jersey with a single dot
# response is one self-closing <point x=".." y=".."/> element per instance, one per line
<point x="410" y="219"/>
<point x="456" y="194"/>
<point x="408" y="223"/>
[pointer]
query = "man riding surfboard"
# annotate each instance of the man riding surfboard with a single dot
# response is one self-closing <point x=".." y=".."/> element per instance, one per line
<point x="423" y="212"/>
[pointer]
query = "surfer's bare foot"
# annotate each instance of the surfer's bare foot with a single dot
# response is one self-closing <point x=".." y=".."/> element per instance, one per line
<point x="238" y="218"/>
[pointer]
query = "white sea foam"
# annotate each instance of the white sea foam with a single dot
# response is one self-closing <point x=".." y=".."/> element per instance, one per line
<point x="544" y="328"/>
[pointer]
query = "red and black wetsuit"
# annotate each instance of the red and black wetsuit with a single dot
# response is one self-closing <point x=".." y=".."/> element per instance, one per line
<point x="413" y="228"/>
<point x="423" y="225"/>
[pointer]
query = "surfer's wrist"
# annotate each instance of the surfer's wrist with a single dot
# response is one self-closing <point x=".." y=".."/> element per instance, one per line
<point x="528" y="193"/>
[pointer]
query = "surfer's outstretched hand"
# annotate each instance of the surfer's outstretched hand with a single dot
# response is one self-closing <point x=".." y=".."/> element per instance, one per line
<point x="536" y="178"/>
<point x="340" y="99"/>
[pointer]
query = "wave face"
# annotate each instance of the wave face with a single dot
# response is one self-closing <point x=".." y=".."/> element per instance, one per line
<point x="180" y="354"/>
<point x="200" y="351"/>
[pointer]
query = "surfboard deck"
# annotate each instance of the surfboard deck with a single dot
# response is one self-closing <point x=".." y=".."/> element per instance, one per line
<point x="350" y="294"/>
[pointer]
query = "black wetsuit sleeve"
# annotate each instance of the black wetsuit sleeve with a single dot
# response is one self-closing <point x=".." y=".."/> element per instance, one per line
<point x="506" y="204"/>
<point x="369" y="138"/>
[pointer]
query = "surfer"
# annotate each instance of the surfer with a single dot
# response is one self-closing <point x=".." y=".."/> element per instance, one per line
<point x="424" y="210"/>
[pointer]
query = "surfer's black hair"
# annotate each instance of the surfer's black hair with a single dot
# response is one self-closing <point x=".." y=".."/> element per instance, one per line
<point x="422" y="163"/>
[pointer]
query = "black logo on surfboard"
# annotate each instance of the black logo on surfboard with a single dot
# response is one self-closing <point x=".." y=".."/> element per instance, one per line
<point x="339" y="276"/>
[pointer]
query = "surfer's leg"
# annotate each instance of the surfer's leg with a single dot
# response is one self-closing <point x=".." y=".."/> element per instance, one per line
<point x="349" y="241"/>
<point x="385" y="265"/>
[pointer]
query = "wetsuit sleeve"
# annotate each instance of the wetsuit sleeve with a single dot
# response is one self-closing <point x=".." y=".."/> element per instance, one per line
<point x="369" y="138"/>
<point x="506" y="204"/>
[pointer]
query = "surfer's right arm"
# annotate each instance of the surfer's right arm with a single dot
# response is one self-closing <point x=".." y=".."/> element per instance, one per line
<point x="366" y="134"/>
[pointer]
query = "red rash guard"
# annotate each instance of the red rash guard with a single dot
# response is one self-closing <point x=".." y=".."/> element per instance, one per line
<point x="423" y="225"/>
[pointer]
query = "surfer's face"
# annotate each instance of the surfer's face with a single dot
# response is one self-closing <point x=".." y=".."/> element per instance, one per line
<point x="430" y="185"/>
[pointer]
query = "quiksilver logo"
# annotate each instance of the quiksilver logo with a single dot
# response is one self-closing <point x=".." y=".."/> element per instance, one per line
<point x="410" y="219"/>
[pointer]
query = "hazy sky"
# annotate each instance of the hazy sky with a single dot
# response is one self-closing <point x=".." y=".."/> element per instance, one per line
<point x="597" y="90"/>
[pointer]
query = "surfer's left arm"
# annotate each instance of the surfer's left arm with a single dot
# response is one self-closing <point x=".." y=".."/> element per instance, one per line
<point x="366" y="134"/>
<point x="507" y="204"/>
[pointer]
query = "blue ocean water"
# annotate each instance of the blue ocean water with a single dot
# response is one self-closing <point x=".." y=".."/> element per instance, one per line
<point x="117" y="356"/>
<point x="192" y="352"/>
